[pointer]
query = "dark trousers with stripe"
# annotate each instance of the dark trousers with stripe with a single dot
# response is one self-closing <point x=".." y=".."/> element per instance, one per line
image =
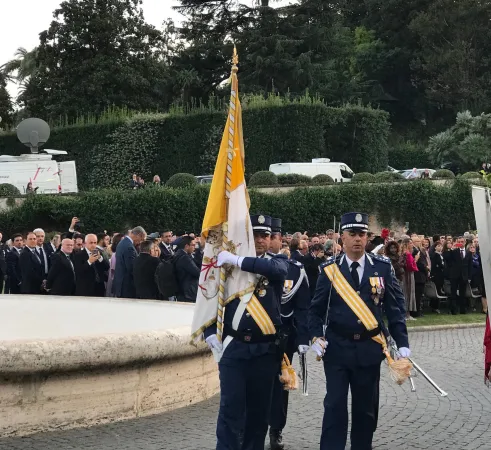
<point x="246" y="387"/>
<point x="364" y="385"/>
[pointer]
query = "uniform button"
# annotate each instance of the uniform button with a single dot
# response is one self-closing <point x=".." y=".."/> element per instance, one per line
<point x="359" y="321"/>
<point x="248" y="315"/>
<point x="358" y="292"/>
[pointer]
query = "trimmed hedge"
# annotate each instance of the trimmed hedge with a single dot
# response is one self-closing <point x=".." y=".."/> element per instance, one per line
<point x="264" y="178"/>
<point x="363" y="177"/>
<point x="443" y="173"/>
<point x="156" y="209"/>
<point x="322" y="179"/>
<point x="471" y="175"/>
<point x="164" y="144"/>
<point x="181" y="180"/>
<point x="292" y="179"/>
<point x="8" y="190"/>
<point x="406" y="155"/>
<point x="388" y="177"/>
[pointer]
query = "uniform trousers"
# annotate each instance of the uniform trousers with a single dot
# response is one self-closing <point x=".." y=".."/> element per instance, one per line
<point x="279" y="403"/>
<point x="246" y="388"/>
<point x="364" y="384"/>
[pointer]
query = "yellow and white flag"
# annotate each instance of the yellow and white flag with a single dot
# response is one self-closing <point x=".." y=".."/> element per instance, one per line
<point x="226" y="226"/>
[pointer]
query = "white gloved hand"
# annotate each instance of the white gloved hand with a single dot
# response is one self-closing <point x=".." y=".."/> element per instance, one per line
<point x="319" y="347"/>
<point x="404" y="352"/>
<point x="225" y="257"/>
<point x="214" y="343"/>
<point x="303" y="349"/>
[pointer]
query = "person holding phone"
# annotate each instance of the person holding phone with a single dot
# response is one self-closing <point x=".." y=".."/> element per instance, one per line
<point x="90" y="269"/>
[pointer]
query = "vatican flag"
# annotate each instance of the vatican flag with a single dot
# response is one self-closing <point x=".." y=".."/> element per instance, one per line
<point x="226" y="226"/>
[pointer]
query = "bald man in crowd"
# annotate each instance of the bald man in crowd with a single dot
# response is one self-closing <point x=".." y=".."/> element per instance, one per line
<point x="61" y="275"/>
<point x="90" y="269"/>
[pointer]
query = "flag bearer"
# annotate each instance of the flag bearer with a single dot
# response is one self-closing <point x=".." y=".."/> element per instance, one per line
<point x="252" y="348"/>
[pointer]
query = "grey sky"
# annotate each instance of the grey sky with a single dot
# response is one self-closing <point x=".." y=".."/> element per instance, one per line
<point x="23" y="20"/>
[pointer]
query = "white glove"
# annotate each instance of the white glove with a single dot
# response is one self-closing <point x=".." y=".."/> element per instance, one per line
<point x="319" y="347"/>
<point x="303" y="349"/>
<point x="404" y="352"/>
<point x="214" y="343"/>
<point x="225" y="257"/>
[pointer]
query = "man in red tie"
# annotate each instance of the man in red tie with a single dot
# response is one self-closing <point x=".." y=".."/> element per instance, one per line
<point x="459" y="275"/>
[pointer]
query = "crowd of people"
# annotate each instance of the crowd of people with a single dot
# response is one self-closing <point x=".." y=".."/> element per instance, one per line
<point x="163" y="265"/>
<point x="129" y="264"/>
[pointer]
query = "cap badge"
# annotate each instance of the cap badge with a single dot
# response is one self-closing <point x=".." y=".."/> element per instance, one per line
<point x="358" y="218"/>
<point x="261" y="220"/>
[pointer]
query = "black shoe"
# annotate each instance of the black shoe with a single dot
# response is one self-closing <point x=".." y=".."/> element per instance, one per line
<point x="276" y="439"/>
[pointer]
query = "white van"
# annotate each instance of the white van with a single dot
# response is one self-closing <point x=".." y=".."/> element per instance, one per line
<point x="49" y="176"/>
<point x="338" y="171"/>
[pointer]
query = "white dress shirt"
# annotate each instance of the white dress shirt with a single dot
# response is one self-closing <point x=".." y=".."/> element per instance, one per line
<point x="360" y="269"/>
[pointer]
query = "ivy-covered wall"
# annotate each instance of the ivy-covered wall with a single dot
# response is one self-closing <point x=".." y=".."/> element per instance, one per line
<point x="164" y="144"/>
<point x="429" y="208"/>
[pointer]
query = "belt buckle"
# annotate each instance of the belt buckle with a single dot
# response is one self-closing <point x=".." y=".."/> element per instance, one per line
<point x="356" y="337"/>
<point x="247" y="338"/>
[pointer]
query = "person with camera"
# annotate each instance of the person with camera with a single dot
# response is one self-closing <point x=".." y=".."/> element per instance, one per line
<point x="90" y="269"/>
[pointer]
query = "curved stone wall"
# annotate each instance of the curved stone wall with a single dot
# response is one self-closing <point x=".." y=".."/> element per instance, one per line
<point x="51" y="380"/>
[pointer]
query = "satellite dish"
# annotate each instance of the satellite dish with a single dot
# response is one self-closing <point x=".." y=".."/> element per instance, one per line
<point x="33" y="133"/>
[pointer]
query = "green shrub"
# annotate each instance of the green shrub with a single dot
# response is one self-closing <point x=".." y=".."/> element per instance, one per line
<point x="294" y="179"/>
<point x="470" y="175"/>
<point x="8" y="190"/>
<point x="263" y="178"/>
<point x="181" y="180"/>
<point x="322" y="179"/>
<point x="156" y="209"/>
<point x="108" y="154"/>
<point x="388" y="177"/>
<point x="443" y="173"/>
<point x="363" y="177"/>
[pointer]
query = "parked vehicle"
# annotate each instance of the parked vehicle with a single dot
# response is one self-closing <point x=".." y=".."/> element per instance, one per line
<point x="417" y="173"/>
<point x="45" y="174"/>
<point x="204" y="179"/>
<point x="338" y="171"/>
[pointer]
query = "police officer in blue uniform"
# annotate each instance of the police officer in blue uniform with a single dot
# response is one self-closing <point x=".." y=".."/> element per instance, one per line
<point x="251" y="361"/>
<point x="351" y="357"/>
<point x="294" y="311"/>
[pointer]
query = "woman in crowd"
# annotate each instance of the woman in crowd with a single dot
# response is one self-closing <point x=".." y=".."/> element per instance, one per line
<point x="477" y="278"/>
<point x="392" y="251"/>
<point x="112" y="264"/>
<point x="437" y="275"/>
<point x="408" y="285"/>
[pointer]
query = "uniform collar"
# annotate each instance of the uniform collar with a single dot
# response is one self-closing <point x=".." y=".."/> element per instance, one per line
<point x="361" y="261"/>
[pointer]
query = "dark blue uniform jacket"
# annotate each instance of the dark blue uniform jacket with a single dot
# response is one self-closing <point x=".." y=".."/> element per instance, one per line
<point x="341" y="349"/>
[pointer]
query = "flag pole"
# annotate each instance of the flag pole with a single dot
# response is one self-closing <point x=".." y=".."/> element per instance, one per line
<point x="230" y="155"/>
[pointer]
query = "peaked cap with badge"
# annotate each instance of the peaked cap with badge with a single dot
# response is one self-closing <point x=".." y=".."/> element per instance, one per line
<point x="354" y="221"/>
<point x="262" y="223"/>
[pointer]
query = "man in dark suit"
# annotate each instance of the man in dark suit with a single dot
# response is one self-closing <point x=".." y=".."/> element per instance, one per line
<point x="31" y="267"/>
<point x="144" y="272"/>
<point x="166" y="251"/>
<point x="459" y="273"/>
<point x="3" y="263"/>
<point x="52" y="246"/>
<point x="186" y="270"/>
<point x="123" y="283"/>
<point x="41" y="250"/>
<point x="61" y="275"/>
<point x="90" y="269"/>
<point x="13" y="265"/>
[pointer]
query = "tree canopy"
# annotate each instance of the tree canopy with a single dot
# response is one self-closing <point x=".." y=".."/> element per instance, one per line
<point x="422" y="60"/>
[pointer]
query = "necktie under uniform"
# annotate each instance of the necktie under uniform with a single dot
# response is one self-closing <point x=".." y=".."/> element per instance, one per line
<point x="354" y="273"/>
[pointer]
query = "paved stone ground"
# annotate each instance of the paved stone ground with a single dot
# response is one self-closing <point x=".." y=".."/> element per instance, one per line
<point x="407" y="421"/>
